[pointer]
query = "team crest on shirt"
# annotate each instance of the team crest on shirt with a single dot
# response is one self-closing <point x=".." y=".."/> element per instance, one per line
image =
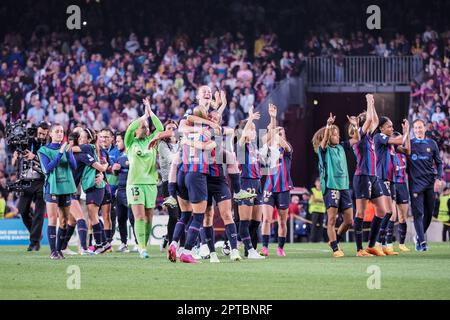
<point x="127" y="163"/>
<point x="428" y="150"/>
<point x="53" y="197"/>
<point x="415" y="195"/>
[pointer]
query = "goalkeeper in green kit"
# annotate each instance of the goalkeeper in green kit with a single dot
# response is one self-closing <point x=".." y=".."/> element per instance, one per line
<point x="142" y="174"/>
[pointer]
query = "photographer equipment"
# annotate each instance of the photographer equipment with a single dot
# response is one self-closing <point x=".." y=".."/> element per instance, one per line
<point x="30" y="178"/>
<point x="19" y="138"/>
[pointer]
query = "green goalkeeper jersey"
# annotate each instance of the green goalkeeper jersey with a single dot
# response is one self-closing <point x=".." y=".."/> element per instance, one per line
<point x="141" y="159"/>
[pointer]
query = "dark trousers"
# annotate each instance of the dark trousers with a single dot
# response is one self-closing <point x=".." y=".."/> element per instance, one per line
<point x="422" y="206"/>
<point x="445" y="231"/>
<point x="33" y="221"/>
<point x="316" y="227"/>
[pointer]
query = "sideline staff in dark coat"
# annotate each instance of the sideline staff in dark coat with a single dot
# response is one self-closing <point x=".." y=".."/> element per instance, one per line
<point x="425" y="174"/>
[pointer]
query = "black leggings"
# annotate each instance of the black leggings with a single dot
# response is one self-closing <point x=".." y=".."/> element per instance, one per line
<point x="124" y="213"/>
<point x="174" y="213"/>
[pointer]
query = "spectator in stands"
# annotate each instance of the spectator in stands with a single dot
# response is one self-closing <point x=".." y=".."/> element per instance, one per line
<point x="233" y="116"/>
<point x="438" y="115"/>
<point x="35" y="114"/>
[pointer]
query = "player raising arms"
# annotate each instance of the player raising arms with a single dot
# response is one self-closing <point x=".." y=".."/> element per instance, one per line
<point x="57" y="160"/>
<point x="278" y="153"/>
<point x="385" y="144"/>
<point x="142" y="174"/>
<point x="334" y="178"/>
<point x="219" y="190"/>
<point x="401" y="189"/>
<point x="366" y="184"/>
<point x="250" y="213"/>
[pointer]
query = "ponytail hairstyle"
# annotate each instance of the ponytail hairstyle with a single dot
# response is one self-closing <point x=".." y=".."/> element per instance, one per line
<point x="362" y="119"/>
<point x="74" y="136"/>
<point x="92" y="136"/>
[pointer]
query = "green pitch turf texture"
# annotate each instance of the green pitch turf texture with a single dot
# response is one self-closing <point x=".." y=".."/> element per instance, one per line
<point x="307" y="272"/>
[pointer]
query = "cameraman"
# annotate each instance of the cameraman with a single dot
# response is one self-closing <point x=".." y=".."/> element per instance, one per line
<point x="34" y="193"/>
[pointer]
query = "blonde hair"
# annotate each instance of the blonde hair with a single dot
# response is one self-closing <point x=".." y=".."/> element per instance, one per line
<point x="318" y="137"/>
<point x="200" y="112"/>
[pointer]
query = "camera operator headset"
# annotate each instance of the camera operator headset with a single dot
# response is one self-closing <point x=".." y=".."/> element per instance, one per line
<point x="34" y="192"/>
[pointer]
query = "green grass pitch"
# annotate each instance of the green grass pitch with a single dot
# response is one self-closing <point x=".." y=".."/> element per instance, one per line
<point x="307" y="272"/>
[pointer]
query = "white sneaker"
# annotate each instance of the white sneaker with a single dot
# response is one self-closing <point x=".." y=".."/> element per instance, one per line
<point x="195" y="253"/>
<point x="123" y="248"/>
<point x="213" y="258"/>
<point x="204" y="251"/>
<point x="86" y="252"/>
<point x="68" y="252"/>
<point x="135" y="248"/>
<point x="234" y="255"/>
<point x="253" y="254"/>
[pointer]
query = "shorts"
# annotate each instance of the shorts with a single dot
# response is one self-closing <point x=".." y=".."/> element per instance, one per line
<point x="63" y="200"/>
<point x="76" y="197"/>
<point x="182" y="191"/>
<point x="197" y="186"/>
<point x="95" y="196"/>
<point x="401" y="193"/>
<point x="142" y="194"/>
<point x="367" y="187"/>
<point x="385" y="188"/>
<point x="218" y="189"/>
<point x="279" y="200"/>
<point x="121" y="197"/>
<point x="340" y="199"/>
<point x="107" y="198"/>
<point x="253" y="186"/>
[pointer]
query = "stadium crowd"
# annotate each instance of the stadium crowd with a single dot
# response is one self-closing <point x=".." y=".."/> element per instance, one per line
<point x="430" y="95"/>
<point x="77" y="82"/>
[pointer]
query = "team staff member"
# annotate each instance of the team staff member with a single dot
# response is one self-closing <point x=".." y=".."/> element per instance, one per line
<point x="123" y="211"/>
<point x="57" y="161"/>
<point x="425" y="174"/>
<point x="317" y="209"/>
<point x="444" y="213"/>
<point x="142" y="175"/>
